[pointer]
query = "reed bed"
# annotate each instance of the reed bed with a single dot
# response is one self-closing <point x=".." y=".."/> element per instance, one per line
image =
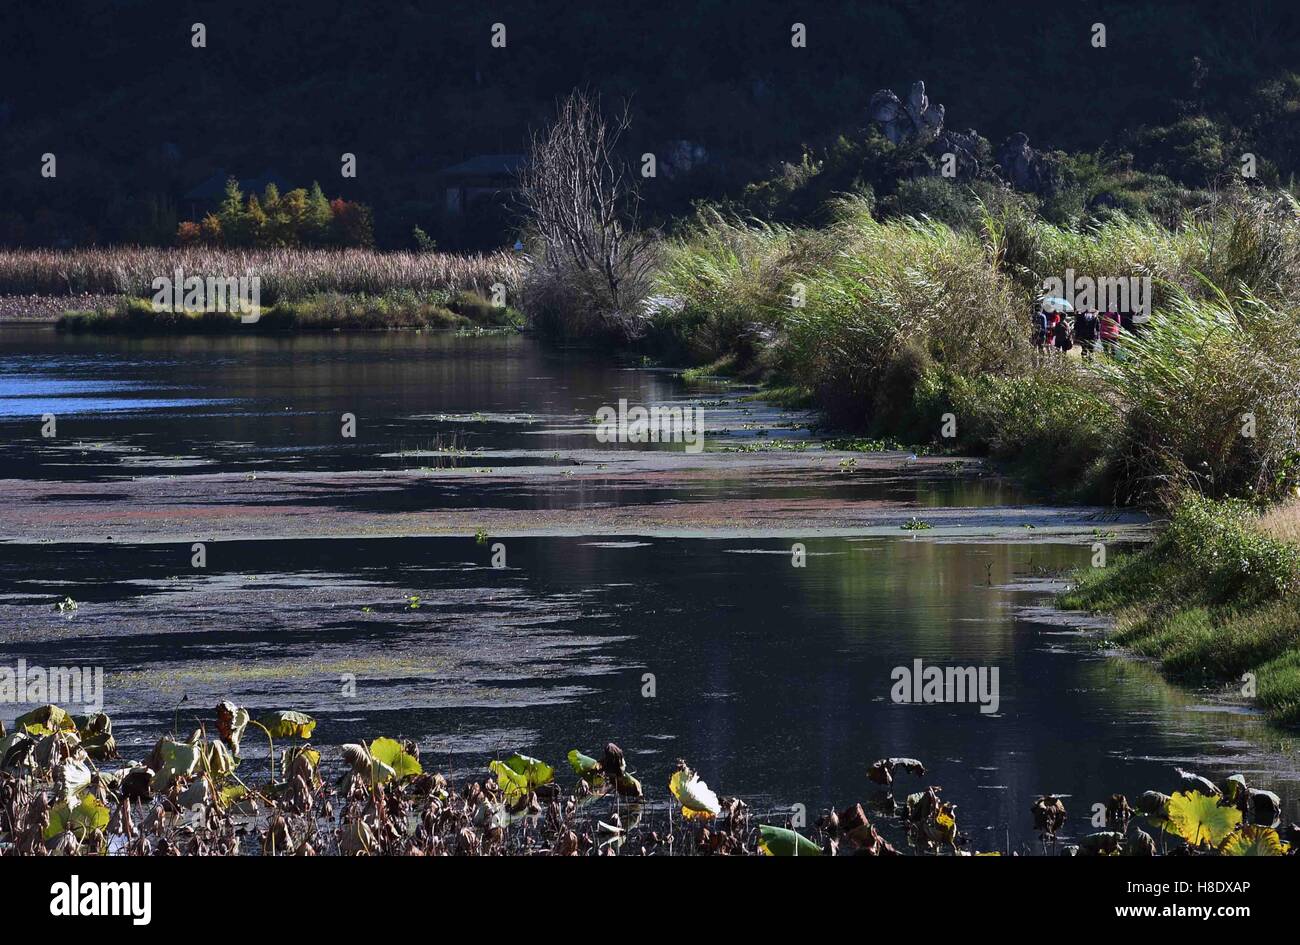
<point x="1241" y="242"/>
<point x="1283" y="521"/>
<point x="286" y="274"/>
<point x="891" y="324"/>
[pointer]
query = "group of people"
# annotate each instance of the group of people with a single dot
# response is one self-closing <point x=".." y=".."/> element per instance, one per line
<point x="1091" y="330"/>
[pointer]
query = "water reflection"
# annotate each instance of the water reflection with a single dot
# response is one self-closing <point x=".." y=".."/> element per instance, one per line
<point x="236" y="403"/>
<point x="773" y="680"/>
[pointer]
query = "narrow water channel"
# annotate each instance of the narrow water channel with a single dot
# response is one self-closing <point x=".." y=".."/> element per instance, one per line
<point x="702" y="641"/>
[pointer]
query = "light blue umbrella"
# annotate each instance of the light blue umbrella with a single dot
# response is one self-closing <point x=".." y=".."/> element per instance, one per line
<point x="1054" y="303"/>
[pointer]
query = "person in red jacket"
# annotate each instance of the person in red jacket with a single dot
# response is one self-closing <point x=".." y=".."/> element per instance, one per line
<point x="1110" y="333"/>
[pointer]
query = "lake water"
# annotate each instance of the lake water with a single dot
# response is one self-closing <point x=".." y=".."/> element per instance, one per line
<point x="773" y="681"/>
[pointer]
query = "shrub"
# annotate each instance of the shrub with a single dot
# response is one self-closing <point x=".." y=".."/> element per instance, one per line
<point x="1191" y="150"/>
<point x="1224" y="551"/>
<point x="936" y="198"/>
<point x="1048" y="422"/>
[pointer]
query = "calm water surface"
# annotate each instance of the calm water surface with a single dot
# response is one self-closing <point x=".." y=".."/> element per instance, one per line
<point x="146" y="406"/>
<point x="773" y="681"/>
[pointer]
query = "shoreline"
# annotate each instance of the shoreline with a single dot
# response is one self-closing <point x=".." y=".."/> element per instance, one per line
<point x="1211" y="600"/>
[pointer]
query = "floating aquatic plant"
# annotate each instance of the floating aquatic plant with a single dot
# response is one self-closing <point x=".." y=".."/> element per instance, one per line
<point x="194" y="796"/>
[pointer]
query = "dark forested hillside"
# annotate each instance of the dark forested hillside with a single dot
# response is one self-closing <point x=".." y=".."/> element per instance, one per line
<point x="138" y="117"/>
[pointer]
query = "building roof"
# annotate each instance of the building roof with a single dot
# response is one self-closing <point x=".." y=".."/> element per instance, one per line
<point x="487" y="165"/>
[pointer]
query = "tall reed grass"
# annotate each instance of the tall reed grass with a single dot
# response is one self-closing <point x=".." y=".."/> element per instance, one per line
<point x="855" y="312"/>
<point x="891" y="323"/>
<point x="286" y="274"/>
<point x="897" y="299"/>
<point x="734" y="281"/>
<point x="1210" y="396"/>
<point x="1240" y="242"/>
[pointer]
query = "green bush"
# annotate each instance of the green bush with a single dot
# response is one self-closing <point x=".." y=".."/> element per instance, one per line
<point x="1192" y="150"/>
<point x="1225" y="554"/>
<point x="1048" y="423"/>
<point x="937" y="198"/>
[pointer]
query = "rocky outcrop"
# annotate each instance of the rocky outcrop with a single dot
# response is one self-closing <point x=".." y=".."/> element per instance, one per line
<point x="913" y="120"/>
<point x="965" y="145"/>
<point x="918" y="121"/>
<point x="1025" y="168"/>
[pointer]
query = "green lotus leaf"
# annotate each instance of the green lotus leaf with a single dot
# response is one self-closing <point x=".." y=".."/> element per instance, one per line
<point x="1254" y="841"/>
<point x="44" y="721"/>
<point x="519" y="775"/>
<point x="87" y="816"/>
<point x="174" y="759"/>
<point x="780" y="841"/>
<point x="285" y="724"/>
<point x="390" y="753"/>
<point x="587" y="768"/>
<point x="582" y="765"/>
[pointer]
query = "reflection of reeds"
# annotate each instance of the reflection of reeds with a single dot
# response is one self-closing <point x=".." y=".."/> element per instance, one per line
<point x="284" y="273"/>
<point x="442" y="452"/>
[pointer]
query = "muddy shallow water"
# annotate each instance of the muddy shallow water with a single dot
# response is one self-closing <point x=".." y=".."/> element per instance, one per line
<point x="620" y="562"/>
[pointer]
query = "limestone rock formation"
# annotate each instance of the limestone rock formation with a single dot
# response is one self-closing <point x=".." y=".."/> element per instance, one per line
<point x="1026" y="168"/>
<point x="965" y="145"/>
<point x="913" y="120"/>
<point x="918" y="121"/>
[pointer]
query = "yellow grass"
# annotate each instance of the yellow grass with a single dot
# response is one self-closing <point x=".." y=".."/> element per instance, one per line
<point x="1283" y="521"/>
<point x="285" y="273"/>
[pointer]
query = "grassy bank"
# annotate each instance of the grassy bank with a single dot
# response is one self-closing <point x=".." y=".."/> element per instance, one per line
<point x="322" y="312"/>
<point x="916" y="330"/>
<point x="1216" y="600"/>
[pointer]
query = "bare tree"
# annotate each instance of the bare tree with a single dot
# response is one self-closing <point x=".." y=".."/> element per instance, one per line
<point x="584" y="209"/>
